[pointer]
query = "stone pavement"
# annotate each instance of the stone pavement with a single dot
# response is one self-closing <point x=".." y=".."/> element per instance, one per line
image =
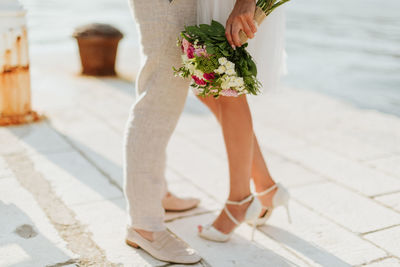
<point x="61" y="199"/>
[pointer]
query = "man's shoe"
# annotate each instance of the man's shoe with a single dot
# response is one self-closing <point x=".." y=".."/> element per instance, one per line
<point x="164" y="247"/>
<point x="176" y="204"/>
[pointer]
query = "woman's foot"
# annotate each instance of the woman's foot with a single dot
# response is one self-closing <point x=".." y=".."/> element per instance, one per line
<point x="223" y="223"/>
<point x="173" y="203"/>
<point x="233" y="214"/>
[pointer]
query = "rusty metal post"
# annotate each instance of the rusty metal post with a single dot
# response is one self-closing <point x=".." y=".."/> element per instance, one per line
<point x="98" y="45"/>
<point x="15" y="90"/>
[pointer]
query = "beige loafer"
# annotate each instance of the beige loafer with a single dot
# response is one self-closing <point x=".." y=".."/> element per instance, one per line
<point x="176" y="204"/>
<point x="164" y="247"/>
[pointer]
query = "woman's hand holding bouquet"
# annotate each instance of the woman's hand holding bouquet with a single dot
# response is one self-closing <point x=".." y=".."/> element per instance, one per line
<point x="216" y="59"/>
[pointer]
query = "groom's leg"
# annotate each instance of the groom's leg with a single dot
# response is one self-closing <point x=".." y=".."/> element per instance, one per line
<point x="160" y="100"/>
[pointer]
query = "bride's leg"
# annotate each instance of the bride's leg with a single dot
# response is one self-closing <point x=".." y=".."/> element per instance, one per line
<point x="237" y="128"/>
<point x="261" y="177"/>
<point x="235" y="119"/>
<point x="259" y="171"/>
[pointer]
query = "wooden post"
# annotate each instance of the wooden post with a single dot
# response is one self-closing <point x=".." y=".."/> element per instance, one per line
<point x="15" y="90"/>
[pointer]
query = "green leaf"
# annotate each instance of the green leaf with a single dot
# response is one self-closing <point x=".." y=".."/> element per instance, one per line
<point x="218" y="27"/>
<point x="210" y="49"/>
<point x="252" y="67"/>
<point x="225" y="53"/>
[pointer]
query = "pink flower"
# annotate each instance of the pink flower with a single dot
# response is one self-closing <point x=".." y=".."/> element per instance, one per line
<point x="196" y="91"/>
<point x="198" y="81"/>
<point x="190" y="52"/>
<point x="209" y="76"/>
<point x="185" y="45"/>
<point x="201" y="52"/>
<point x="229" y="92"/>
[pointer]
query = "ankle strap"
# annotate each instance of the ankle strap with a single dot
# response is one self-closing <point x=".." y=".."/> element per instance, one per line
<point x="267" y="191"/>
<point x="233" y="219"/>
<point x="247" y="199"/>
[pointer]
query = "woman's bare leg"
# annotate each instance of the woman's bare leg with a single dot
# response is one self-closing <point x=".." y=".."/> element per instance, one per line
<point x="237" y="128"/>
<point x="259" y="172"/>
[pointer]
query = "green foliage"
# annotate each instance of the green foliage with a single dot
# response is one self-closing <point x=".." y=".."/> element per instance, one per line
<point x="207" y="65"/>
<point x="214" y="39"/>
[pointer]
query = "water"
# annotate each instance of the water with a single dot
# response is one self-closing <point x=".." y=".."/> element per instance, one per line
<point x="345" y="48"/>
<point x="349" y="49"/>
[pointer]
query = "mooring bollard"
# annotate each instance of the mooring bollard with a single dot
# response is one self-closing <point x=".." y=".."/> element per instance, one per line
<point x="98" y="45"/>
<point x="15" y="90"/>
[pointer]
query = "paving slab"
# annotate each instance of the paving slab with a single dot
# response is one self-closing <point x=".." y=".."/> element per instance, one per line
<point x="27" y="237"/>
<point x="389" y="262"/>
<point x="354" y="212"/>
<point x="206" y="170"/>
<point x="5" y="171"/>
<point x="292" y="174"/>
<point x="317" y="112"/>
<point x="348" y="146"/>
<point x="387" y="239"/>
<point x="30" y="138"/>
<point x="239" y="251"/>
<point x="40" y="137"/>
<point x="9" y="143"/>
<point x="74" y="178"/>
<point x="94" y="139"/>
<point x="319" y="240"/>
<point x="355" y="175"/>
<point x="389" y="164"/>
<point x="391" y="200"/>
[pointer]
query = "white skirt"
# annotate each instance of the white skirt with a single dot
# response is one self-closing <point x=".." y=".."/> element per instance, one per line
<point x="266" y="48"/>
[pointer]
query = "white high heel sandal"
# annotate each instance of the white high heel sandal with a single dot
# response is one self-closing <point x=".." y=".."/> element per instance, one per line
<point x="281" y="198"/>
<point x="209" y="232"/>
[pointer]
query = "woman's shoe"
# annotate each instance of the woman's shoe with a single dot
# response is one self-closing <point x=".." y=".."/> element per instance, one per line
<point x="281" y="198"/>
<point x="209" y="232"/>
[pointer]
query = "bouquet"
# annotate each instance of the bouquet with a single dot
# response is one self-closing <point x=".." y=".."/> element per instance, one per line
<point x="213" y="65"/>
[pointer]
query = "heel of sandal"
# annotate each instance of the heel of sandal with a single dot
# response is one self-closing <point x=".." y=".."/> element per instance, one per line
<point x="132" y="244"/>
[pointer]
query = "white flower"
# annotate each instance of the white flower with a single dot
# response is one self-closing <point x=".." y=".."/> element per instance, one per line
<point x="240" y="81"/>
<point x="225" y="85"/>
<point x="220" y="70"/>
<point x="190" y="66"/>
<point x="222" y="60"/>
<point x="228" y="82"/>
<point x="231" y="72"/>
<point x="198" y="73"/>
<point x="185" y="58"/>
<point x="225" y="82"/>
<point x="229" y="65"/>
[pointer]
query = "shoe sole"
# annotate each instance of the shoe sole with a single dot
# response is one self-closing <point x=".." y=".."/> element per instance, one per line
<point x="182" y="210"/>
<point x="132" y="244"/>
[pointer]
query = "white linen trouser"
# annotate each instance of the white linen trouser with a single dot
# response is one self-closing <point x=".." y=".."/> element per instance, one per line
<point x="160" y="98"/>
